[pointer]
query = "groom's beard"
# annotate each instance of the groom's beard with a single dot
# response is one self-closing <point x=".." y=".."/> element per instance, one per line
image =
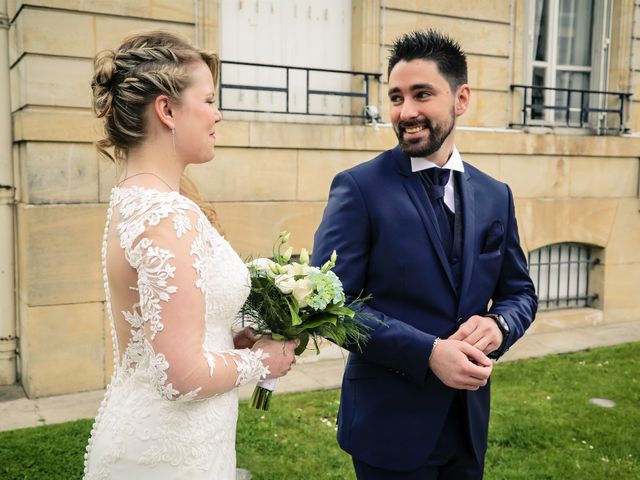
<point x="438" y="133"/>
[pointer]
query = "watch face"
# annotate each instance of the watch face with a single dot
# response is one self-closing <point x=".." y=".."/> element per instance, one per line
<point x="503" y="323"/>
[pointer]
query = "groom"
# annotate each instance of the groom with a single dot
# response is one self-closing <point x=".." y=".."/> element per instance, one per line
<point x="434" y="241"/>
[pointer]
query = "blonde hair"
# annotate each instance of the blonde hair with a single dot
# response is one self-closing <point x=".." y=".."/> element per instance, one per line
<point x="128" y="79"/>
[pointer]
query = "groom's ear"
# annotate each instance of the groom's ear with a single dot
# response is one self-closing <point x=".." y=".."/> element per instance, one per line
<point x="463" y="97"/>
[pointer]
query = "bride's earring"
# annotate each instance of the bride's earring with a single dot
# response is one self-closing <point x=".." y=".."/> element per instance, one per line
<point x="173" y="140"/>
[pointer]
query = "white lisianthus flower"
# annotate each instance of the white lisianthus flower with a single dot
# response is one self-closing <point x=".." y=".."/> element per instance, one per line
<point x="285" y="283"/>
<point x="330" y="263"/>
<point x="297" y="269"/>
<point x="286" y="256"/>
<point x="264" y="265"/>
<point x="284" y="236"/>
<point x="304" y="256"/>
<point x="301" y="291"/>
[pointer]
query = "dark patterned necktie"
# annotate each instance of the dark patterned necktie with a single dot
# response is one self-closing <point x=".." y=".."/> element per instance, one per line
<point x="439" y="178"/>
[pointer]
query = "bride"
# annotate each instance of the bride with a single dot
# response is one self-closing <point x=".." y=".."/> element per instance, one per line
<point x="173" y="284"/>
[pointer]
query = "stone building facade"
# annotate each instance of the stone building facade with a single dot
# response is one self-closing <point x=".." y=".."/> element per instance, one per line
<point x="572" y="185"/>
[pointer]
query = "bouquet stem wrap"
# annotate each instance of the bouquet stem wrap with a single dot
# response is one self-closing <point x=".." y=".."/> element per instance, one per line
<point x="262" y="393"/>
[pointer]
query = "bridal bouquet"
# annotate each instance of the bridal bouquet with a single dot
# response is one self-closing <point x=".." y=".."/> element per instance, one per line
<point x="292" y="300"/>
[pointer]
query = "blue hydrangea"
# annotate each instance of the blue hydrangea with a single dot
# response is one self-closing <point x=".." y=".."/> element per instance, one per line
<point x="327" y="289"/>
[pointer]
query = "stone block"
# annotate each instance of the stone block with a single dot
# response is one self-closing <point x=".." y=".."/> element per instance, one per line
<point x="548" y="221"/>
<point x="253" y="227"/>
<point x="377" y="139"/>
<point x="624" y="241"/>
<point x="15" y="43"/>
<point x="365" y="35"/>
<point x="51" y="81"/>
<point x="489" y="164"/>
<point x="635" y="117"/>
<point x="58" y="173"/>
<point x="316" y="170"/>
<point x="295" y="135"/>
<point x="486" y="109"/>
<point x="603" y="177"/>
<point x="566" y="319"/>
<point x="111" y="30"/>
<point x="484" y="38"/>
<point x="488" y="73"/>
<point x="518" y="142"/>
<point x="635" y="86"/>
<point x="61" y="349"/>
<point x="536" y="176"/>
<point x="232" y="134"/>
<point x="108" y="175"/>
<point x="470" y="9"/>
<point x="54" y="32"/>
<point x="59" y="253"/>
<point x="620" y="296"/>
<point x="50" y="124"/>
<point x="177" y="11"/>
<point x="248" y="174"/>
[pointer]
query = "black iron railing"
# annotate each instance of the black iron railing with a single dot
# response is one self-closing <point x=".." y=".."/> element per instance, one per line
<point x="576" y="110"/>
<point x="286" y="89"/>
<point x="560" y="273"/>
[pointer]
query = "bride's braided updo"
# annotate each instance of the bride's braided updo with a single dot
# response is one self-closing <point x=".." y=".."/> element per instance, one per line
<point x="128" y="79"/>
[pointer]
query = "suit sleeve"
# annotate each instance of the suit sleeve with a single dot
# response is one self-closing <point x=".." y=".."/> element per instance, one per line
<point x="346" y="228"/>
<point x="514" y="298"/>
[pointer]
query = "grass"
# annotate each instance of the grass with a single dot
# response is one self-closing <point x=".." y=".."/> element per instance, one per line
<point x="542" y="427"/>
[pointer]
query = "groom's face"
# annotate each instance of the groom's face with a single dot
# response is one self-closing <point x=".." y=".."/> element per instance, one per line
<point x="423" y="107"/>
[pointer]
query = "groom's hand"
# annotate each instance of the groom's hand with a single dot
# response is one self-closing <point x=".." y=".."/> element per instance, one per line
<point x="245" y="338"/>
<point x="460" y="365"/>
<point x="481" y="332"/>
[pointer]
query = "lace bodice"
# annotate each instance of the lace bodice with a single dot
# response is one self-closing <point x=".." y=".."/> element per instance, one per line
<point x="171" y="402"/>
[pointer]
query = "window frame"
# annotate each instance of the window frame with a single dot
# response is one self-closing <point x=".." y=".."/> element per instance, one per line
<point x="599" y="55"/>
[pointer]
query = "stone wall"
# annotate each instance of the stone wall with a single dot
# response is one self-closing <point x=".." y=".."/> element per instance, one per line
<point x="272" y="176"/>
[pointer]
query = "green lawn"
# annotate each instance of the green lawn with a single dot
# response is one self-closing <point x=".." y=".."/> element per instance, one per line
<point x="542" y="427"/>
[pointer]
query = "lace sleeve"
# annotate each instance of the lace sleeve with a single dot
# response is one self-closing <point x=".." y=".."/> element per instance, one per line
<point x="172" y="314"/>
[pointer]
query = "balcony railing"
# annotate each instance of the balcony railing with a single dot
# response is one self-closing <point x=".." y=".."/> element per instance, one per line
<point x="594" y="109"/>
<point x="294" y="96"/>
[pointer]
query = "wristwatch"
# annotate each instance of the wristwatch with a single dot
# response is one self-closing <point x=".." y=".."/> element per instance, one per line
<point x="504" y="329"/>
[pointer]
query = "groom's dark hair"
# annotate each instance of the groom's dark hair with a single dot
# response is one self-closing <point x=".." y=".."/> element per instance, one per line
<point x="435" y="46"/>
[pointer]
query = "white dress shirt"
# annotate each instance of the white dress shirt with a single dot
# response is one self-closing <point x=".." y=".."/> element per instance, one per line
<point x="454" y="163"/>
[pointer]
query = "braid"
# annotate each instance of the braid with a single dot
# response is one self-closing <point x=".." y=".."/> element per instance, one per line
<point x="128" y="79"/>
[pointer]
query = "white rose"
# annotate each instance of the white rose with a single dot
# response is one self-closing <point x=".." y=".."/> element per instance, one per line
<point x="285" y="283"/>
<point x="301" y="291"/>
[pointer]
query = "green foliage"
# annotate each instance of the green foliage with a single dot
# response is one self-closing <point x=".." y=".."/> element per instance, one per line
<point x="542" y="427"/>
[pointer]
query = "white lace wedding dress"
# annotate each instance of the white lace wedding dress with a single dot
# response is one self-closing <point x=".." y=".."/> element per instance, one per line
<point x="170" y="410"/>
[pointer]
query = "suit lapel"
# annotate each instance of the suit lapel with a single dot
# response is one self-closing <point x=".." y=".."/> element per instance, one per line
<point x="418" y="195"/>
<point x="469" y="218"/>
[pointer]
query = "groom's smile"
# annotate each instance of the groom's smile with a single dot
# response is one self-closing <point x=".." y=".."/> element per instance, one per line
<point x="423" y="110"/>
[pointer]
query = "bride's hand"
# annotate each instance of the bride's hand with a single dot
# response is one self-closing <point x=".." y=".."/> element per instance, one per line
<point x="245" y="338"/>
<point x="280" y="355"/>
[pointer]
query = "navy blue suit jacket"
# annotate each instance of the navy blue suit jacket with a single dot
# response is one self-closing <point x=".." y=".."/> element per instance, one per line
<point x="382" y="225"/>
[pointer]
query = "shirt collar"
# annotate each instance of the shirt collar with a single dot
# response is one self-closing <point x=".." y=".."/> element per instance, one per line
<point x="454" y="162"/>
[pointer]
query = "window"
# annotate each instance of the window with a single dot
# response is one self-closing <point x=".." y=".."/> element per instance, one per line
<point x="567" y="61"/>
<point x="312" y="34"/>
<point x="560" y="273"/>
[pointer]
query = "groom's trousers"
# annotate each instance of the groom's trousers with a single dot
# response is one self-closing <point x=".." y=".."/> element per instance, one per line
<point x="452" y="459"/>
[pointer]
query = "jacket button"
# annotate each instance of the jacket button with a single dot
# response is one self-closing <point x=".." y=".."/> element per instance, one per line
<point x="459" y="320"/>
